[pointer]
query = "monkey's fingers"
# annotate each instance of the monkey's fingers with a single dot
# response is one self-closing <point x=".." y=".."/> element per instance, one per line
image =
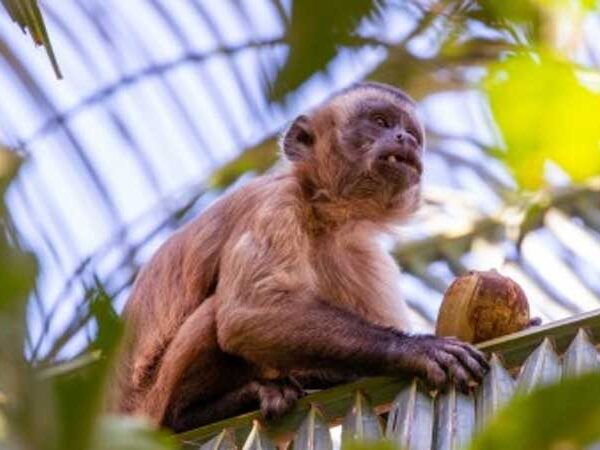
<point x="272" y="403"/>
<point x="294" y="384"/>
<point x="290" y="394"/>
<point x="290" y="388"/>
<point x="476" y="366"/>
<point x="456" y="371"/>
<point x="462" y="363"/>
<point x="433" y="374"/>
<point x="277" y="398"/>
<point x="474" y="352"/>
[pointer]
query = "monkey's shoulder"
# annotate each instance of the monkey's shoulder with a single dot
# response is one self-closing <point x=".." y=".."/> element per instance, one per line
<point x="269" y="207"/>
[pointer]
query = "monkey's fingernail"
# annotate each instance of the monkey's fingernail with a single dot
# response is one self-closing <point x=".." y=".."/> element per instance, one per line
<point x="433" y="393"/>
<point x="472" y="383"/>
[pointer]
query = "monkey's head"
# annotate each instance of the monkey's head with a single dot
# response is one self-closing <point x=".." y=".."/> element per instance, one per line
<point x="366" y="143"/>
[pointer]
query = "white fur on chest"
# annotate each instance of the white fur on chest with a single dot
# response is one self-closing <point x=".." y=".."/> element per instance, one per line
<point x="355" y="272"/>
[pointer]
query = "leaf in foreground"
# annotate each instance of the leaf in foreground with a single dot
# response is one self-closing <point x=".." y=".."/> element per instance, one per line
<point x="128" y="433"/>
<point x="555" y="117"/>
<point x="565" y="415"/>
<point x="79" y="394"/>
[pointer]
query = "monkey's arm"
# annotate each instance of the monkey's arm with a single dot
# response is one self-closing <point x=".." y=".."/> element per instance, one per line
<point x="315" y="335"/>
<point x="268" y="314"/>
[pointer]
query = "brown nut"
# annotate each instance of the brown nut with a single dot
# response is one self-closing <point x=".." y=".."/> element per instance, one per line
<point x="482" y="305"/>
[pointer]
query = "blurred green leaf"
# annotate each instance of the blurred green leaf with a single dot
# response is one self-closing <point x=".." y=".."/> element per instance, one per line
<point x="9" y="164"/>
<point x="533" y="217"/>
<point x="26" y="13"/>
<point x="79" y="393"/>
<point x="255" y="159"/>
<point x="109" y="323"/>
<point x="565" y="415"/>
<point x="544" y="113"/>
<point x="315" y="33"/>
<point x="57" y="409"/>
<point x="17" y="385"/>
<point x="530" y="12"/>
<point x="129" y="433"/>
<point x="514" y="10"/>
<point x="2" y="428"/>
<point x="382" y="444"/>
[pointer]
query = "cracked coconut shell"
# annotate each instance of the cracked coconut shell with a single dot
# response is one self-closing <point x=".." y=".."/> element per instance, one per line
<point x="482" y="305"/>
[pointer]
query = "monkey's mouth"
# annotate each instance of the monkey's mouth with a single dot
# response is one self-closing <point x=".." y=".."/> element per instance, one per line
<point x="401" y="159"/>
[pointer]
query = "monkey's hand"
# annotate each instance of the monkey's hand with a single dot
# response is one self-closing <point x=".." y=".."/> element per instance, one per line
<point x="440" y="361"/>
<point x="277" y="397"/>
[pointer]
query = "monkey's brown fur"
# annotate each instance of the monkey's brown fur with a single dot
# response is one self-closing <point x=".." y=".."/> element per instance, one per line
<point x="286" y="279"/>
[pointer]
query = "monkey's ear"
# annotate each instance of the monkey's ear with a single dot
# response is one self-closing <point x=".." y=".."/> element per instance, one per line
<point x="298" y="139"/>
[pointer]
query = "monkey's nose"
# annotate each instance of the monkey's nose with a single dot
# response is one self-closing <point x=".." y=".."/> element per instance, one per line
<point x="404" y="137"/>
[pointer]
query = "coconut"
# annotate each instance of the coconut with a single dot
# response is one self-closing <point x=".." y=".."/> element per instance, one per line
<point x="482" y="305"/>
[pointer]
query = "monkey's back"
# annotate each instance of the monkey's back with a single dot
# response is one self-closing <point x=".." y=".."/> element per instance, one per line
<point x="177" y="279"/>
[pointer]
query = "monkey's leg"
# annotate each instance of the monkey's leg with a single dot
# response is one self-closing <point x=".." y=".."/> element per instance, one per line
<point x="310" y="334"/>
<point x="181" y="418"/>
<point x="193" y="369"/>
<point x="198" y="383"/>
<point x="274" y="398"/>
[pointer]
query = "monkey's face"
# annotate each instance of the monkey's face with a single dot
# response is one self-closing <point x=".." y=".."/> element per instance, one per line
<point x="367" y="142"/>
<point x="382" y="140"/>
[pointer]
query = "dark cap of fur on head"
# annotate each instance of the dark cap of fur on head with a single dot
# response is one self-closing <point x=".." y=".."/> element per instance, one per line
<point x="400" y="94"/>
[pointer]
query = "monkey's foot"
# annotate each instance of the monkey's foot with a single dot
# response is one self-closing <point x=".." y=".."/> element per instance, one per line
<point x="278" y="397"/>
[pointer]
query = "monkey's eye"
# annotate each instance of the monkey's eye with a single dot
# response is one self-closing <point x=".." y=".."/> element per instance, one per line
<point x="381" y="121"/>
<point x="414" y="133"/>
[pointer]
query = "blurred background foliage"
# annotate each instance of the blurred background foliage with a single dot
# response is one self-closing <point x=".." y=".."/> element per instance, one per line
<point x="58" y="407"/>
<point x="164" y="105"/>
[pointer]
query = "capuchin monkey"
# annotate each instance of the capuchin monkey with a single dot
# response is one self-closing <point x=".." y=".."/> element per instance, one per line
<point x="283" y="284"/>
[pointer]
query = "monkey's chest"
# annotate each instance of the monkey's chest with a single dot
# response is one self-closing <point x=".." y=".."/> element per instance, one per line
<point x="364" y="283"/>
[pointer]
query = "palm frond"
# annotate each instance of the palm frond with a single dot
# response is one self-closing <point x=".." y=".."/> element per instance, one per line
<point x="27" y="14"/>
